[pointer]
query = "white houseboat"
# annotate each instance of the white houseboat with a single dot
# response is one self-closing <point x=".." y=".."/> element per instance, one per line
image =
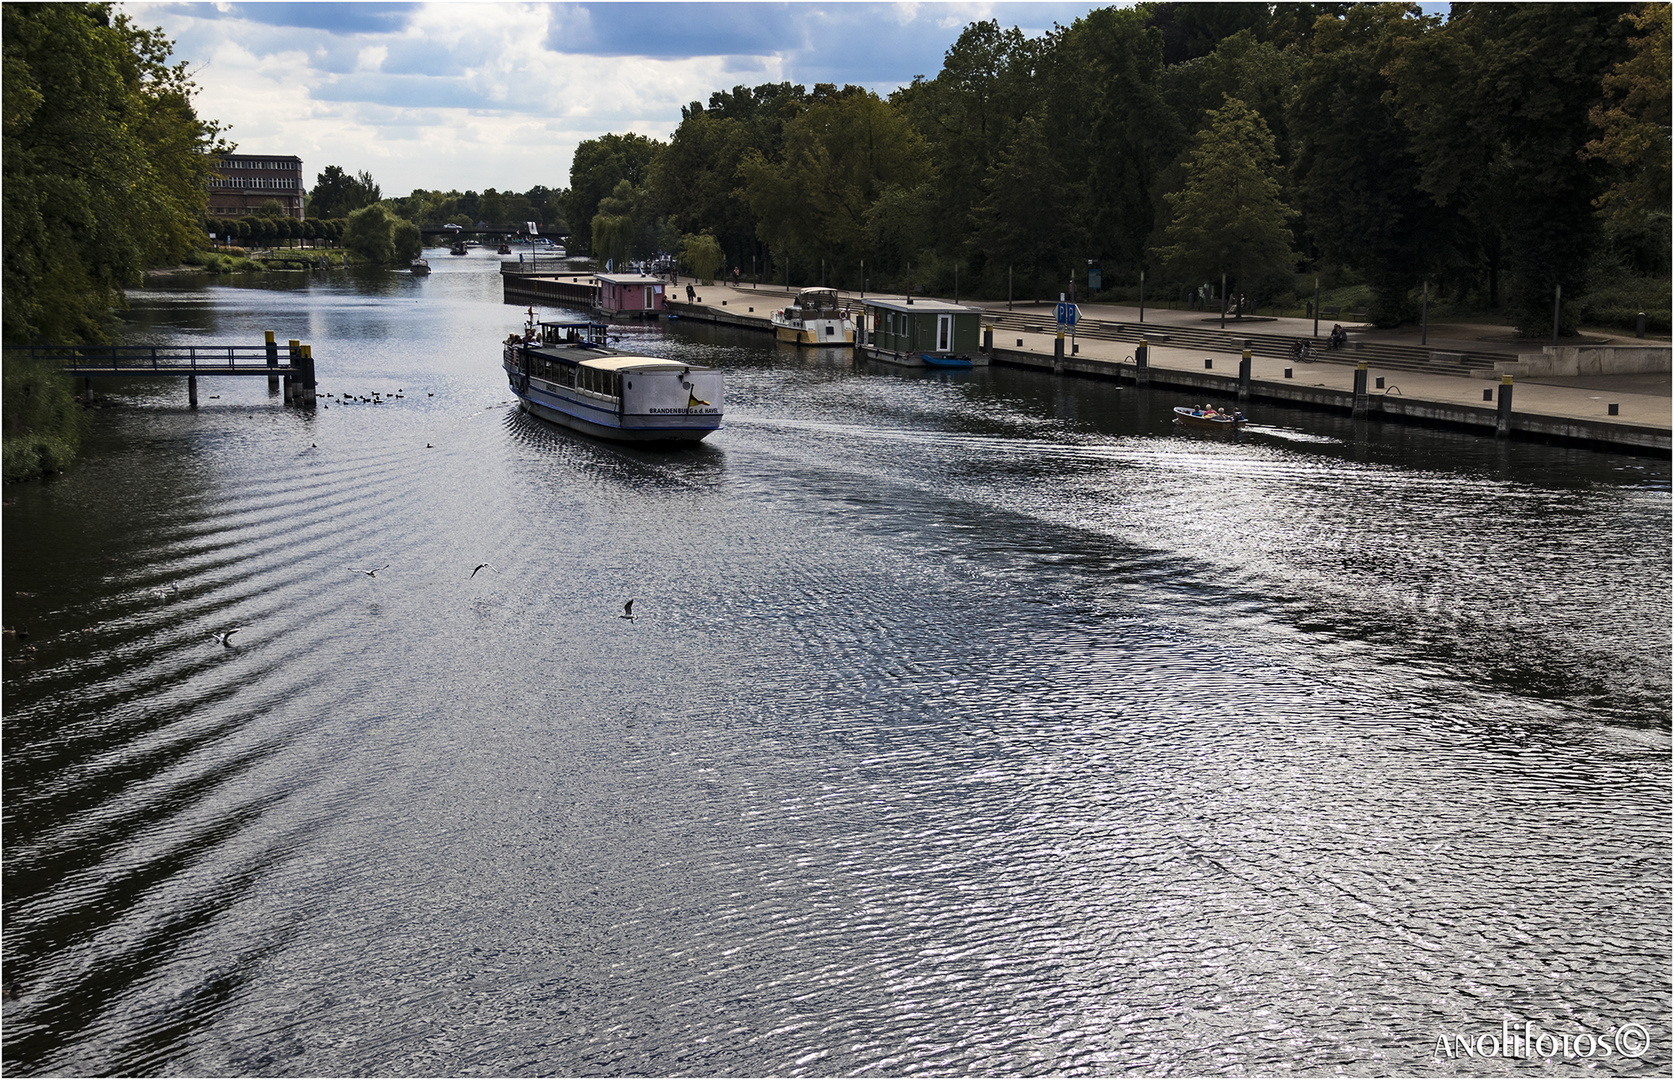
<point x="564" y="372"/>
<point x="815" y="319"/>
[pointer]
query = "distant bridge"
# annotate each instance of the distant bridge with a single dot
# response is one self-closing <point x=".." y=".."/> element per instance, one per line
<point x="510" y="228"/>
<point x="91" y="362"/>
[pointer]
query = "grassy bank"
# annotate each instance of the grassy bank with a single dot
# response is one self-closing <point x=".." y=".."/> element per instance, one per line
<point x="42" y="423"/>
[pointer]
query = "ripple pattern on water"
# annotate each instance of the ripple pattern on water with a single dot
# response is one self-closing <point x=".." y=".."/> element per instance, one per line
<point x="979" y="724"/>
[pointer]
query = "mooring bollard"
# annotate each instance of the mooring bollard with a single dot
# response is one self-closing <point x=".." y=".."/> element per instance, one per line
<point x="1380" y="382"/>
<point x="1287" y="373"/>
<point x="1244" y="378"/>
<point x="988" y="340"/>
<point x="1142" y="363"/>
<point x="1208" y="363"/>
<point x="308" y="376"/>
<point x="192" y="391"/>
<point x="1360" y="389"/>
<point x="1615" y="409"/>
<point x="272" y="362"/>
<point x="1503" y="426"/>
<point x="1488" y="394"/>
<point x="1058" y="353"/>
<point x="293" y="385"/>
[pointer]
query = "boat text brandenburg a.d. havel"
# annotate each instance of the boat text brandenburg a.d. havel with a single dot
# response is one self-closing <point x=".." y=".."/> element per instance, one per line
<point x="563" y="371"/>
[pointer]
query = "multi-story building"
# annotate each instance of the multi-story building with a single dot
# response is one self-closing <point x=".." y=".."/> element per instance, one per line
<point x="244" y="181"/>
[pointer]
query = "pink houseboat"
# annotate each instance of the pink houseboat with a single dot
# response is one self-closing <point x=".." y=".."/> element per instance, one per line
<point x="631" y="294"/>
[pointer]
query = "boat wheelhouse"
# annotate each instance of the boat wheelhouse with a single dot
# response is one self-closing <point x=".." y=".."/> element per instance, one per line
<point x="631" y="294"/>
<point x="908" y="331"/>
<point x="565" y="372"/>
<point x="817" y="318"/>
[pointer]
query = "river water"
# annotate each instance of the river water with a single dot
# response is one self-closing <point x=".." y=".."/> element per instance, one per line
<point x="970" y="723"/>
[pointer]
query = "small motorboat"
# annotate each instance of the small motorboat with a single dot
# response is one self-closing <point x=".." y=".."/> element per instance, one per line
<point x="505" y="248"/>
<point x="1207" y="416"/>
<point x="946" y="360"/>
<point x="458" y="249"/>
<point x="420" y="266"/>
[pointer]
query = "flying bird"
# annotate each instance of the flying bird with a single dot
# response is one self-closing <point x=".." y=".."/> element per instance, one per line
<point x="627" y="611"/>
<point x="488" y="565"/>
<point x="225" y="637"/>
<point x="370" y="573"/>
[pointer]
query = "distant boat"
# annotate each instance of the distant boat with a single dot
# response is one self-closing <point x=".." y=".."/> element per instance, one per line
<point x="505" y="248"/>
<point x="815" y="319"/>
<point x="457" y="249"/>
<point x="947" y="360"/>
<point x="1207" y="416"/>
<point x="420" y="266"/>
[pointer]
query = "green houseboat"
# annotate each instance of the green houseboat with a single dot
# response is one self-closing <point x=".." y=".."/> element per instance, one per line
<point x="905" y="331"/>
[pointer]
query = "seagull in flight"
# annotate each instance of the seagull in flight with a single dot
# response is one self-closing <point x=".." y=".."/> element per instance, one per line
<point x="225" y="636"/>
<point x="627" y="611"/>
<point x="487" y="565"/>
<point x="370" y="573"/>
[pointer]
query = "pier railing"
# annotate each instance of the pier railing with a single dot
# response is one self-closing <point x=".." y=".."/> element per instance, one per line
<point x="89" y="362"/>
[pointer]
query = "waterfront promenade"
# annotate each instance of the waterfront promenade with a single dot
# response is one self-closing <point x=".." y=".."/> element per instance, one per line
<point x="1643" y="401"/>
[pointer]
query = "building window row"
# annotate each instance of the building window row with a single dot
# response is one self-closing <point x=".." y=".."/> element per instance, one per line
<point x="258" y="182"/>
<point x="266" y="166"/>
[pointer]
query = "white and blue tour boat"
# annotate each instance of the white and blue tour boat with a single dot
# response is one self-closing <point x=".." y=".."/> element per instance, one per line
<point x="564" y="372"/>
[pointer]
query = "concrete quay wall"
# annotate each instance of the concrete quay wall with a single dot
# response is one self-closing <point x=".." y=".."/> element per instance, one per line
<point x="1566" y="360"/>
<point x="1380" y="405"/>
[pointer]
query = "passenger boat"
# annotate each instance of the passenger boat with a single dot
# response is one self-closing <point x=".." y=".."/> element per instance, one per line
<point x="947" y="360"/>
<point x="1207" y="416"/>
<point x="815" y="319"/>
<point x="420" y="266"/>
<point x="564" y="372"/>
<point x="457" y="249"/>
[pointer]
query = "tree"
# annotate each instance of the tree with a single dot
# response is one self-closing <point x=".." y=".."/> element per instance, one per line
<point x="336" y="194"/>
<point x="1229" y="217"/>
<point x="379" y="237"/>
<point x="968" y="114"/>
<point x="1111" y="126"/>
<point x="1027" y="217"/>
<point x="106" y="165"/>
<point x="1357" y="172"/>
<point x="701" y="255"/>
<point x="613" y="226"/>
<point x="598" y="166"/>
<point x="1632" y="121"/>
<point x="841" y="152"/>
<point x="1498" y="99"/>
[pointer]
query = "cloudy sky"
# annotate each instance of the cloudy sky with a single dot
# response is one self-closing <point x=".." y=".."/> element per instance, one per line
<point x="480" y="95"/>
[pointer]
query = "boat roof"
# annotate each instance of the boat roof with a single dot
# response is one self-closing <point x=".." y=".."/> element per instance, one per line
<point x="630" y="279"/>
<point x="637" y="363"/>
<point x="940" y="307"/>
<point x="816" y="290"/>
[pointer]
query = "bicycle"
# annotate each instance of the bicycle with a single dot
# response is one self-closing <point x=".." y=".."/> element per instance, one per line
<point x="1301" y="352"/>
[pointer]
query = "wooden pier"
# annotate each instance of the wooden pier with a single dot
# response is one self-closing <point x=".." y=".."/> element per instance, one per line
<point x="89" y="362"/>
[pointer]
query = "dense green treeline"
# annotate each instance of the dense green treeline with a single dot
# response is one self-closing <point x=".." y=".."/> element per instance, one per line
<point x="106" y="171"/>
<point x="1498" y="155"/>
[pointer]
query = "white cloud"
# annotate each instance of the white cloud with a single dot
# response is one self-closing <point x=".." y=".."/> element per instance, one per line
<point x="478" y="95"/>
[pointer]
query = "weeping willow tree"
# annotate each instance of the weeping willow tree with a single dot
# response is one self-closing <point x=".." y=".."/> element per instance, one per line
<point x="613" y="226"/>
